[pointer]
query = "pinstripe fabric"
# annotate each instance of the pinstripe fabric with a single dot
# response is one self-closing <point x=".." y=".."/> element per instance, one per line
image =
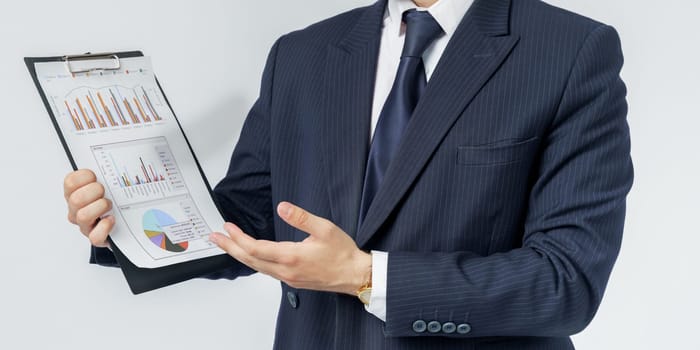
<point x="504" y="205"/>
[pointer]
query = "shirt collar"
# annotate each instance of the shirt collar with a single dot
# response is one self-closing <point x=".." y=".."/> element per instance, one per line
<point x="448" y="13"/>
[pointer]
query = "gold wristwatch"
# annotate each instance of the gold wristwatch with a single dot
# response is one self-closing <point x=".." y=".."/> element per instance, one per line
<point x="365" y="291"/>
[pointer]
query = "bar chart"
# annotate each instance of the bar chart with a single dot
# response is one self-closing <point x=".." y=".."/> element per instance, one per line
<point x="147" y="175"/>
<point x="139" y="170"/>
<point x="111" y="106"/>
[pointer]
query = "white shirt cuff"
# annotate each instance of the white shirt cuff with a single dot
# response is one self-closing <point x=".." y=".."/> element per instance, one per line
<point x="377" y="301"/>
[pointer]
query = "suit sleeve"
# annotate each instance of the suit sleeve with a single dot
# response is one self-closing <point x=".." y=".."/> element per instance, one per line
<point x="553" y="284"/>
<point x="243" y="196"/>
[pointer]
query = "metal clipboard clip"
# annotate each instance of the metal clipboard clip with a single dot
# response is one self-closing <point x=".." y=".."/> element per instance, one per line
<point x="116" y="64"/>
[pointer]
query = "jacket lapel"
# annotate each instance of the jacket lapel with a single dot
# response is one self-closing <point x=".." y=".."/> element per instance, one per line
<point x="349" y="78"/>
<point x="477" y="49"/>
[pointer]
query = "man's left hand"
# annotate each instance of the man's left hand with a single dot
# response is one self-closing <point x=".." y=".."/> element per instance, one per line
<point x="327" y="260"/>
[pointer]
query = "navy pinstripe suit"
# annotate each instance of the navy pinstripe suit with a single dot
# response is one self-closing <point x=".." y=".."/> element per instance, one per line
<point x="504" y="206"/>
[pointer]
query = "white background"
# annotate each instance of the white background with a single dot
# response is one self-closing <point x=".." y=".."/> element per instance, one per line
<point x="208" y="56"/>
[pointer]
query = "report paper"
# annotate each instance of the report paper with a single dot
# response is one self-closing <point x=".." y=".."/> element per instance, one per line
<point x="118" y="124"/>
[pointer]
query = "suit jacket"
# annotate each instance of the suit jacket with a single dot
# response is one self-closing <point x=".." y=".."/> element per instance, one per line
<point x="503" y="209"/>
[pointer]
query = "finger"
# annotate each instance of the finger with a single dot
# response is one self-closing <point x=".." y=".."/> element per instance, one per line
<point x="98" y="235"/>
<point x="84" y="196"/>
<point x="88" y="215"/>
<point x="76" y="180"/>
<point x="234" y="250"/>
<point x="278" y="252"/>
<point x="303" y="220"/>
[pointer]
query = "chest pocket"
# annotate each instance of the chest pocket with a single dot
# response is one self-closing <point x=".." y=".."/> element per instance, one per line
<point x="499" y="153"/>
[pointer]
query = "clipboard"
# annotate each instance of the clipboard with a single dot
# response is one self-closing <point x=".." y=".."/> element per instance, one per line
<point x="139" y="279"/>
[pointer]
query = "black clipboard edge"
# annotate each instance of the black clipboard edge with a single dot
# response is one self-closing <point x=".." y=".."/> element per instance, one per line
<point x="141" y="280"/>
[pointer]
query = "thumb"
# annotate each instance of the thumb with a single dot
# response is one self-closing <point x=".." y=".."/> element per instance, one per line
<point x="303" y="220"/>
<point x="222" y="241"/>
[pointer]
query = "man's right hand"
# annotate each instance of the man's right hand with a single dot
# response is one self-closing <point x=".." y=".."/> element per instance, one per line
<point x="86" y="205"/>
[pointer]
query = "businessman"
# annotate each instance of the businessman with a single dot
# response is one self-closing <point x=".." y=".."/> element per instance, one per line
<point x="432" y="174"/>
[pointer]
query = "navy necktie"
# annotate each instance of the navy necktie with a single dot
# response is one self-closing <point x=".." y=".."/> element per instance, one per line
<point x="421" y="31"/>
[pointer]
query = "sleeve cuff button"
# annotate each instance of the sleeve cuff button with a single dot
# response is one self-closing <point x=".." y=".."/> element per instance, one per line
<point x="434" y="327"/>
<point x="449" y="327"/>
<point x="419" y="326"/>
<point x="464" y="328"/>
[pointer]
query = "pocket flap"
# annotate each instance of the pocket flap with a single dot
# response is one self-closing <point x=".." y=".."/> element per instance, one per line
<point x="502" y="152"/>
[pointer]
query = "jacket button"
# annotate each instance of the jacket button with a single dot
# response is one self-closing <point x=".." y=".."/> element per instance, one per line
<point x="464" y="328"/>
<point x="419" y="326"/>
<point x="448" y="327"/>
<point x="434" y="326"/>
<point x="292" y="298"/>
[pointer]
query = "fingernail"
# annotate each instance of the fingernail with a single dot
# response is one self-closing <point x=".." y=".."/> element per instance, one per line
<point x="214" y="238"/>
<point x="285" y="209"/>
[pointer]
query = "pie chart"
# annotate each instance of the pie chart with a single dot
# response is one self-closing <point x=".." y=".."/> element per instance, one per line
<point x="153" y="222"/>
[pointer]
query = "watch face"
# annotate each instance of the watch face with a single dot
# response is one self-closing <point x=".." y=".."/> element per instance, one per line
<point x="365" y="295"/>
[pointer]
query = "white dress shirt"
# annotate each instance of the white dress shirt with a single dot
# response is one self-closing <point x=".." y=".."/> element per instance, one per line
<point x="448" y="14"/>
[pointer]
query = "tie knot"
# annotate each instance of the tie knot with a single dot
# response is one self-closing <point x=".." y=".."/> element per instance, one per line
<point x="421" y="30"/>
